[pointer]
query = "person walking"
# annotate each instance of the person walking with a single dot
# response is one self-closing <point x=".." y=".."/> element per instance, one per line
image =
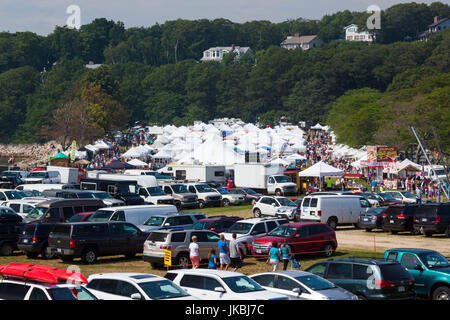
<point x="223" y="253"/>
<point x="286" y="253"/>
<point x="212" y="259"/>
<point x="194" y="253"/>
<point x="418" y="195"/>
<point x="235" y="253"/>
<point x="274" y="256"/>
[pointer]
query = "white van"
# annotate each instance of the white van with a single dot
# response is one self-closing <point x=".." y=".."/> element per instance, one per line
<point x="43" y="177"/>
<point x="333" y="209"/>
<point x="136" y="215"/>
<point x="207" y="196"/>
<point x="40" y="187"/>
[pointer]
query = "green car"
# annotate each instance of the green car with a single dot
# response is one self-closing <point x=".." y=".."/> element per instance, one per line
<point x="430" y="270"/>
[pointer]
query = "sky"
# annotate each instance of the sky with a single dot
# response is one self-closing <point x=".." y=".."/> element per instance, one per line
<point x="41" y="16"/>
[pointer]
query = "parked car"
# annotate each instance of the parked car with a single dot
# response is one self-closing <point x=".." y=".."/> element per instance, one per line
<point x="250" y="195"/>
<point x="90" y="240"/>
<point x="403" y="196"/>
<point x="34" y="240"/>
<point x="208" y="284"/>
<point x="301" y="285"/>
<point x="334" y="210"/>
<point x="275" y="207"/>
<point x="217" y="224"/>
<point x="9" y="235"/>
<point x="430" y="270"/>
<point x="134" y="286"/>
<point x="8" y="215"/>
<point x="61" y="210"/>
<point x="178" y="242"/>
<point x="43" y="176"/>
<point x="374" y="279"/>
<point x="248" y="230"/>
<point x="387" y="199"/>
<point x="81" y="217"/>
<point x="10" y="194"/>
<point x="303" y="237"/>
<point x="136" y="215"/>
<point x="107" y="199"/>
<point x="433" y="218"/>
<point x="372" y="218"/>
<point x="399" y="218"/>
<point x="182" y="197"/>
<point x="230" y="198"/>
<point x="22" y="207"/>
<point x="40" y="283"/>
<point x="207" y="197"/>
<point x="179" y="220"/>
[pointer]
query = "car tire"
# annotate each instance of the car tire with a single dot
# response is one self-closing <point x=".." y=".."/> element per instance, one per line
<point x="447" y="232"/>
<point x="428" y="233"/>
<point x="368" y="229"/>
<point x="361" y="297"/>
<point x="332" y="223"/>
<point x="394" y="232"/>
<point x="441" y="293"/>
<point x="6" y="249"/>
<point x="183" y="260"/>
<point x="201" y="204"/>
<point x="130" y="255"/>
<point x="178" y="205"/>
<point x="257" y="213"/>
<point x="225" y="202"/>
<point x="278" y="193"/>
<point x="31" y="255"/>
<point x="67" y="258"/>
<point x="328" y="250"/>
<point x="45" y="254"/>
<point x="89" y="256"/>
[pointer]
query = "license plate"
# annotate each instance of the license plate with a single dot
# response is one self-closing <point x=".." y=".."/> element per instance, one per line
<point x="258" y="251"/>
<point x="59" y="250"/>
<point x="365" y="219"/>
<point x="401" y="289"/>
<point x="424" y="219"/>
<point x="25" y="240"/>
<point x="392" y="221"/>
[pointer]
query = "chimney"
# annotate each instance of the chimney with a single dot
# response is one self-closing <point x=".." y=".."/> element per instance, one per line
<point x="436" y="18"/>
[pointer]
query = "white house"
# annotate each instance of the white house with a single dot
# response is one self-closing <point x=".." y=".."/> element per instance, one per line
<point x="304" y="42"/>
<point x="352" y="34"/>
<point x="438" y="25"/>
<point x="216" y="53"/>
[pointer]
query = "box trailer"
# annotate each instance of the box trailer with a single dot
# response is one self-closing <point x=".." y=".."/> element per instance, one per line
<point x="201" y="173"/>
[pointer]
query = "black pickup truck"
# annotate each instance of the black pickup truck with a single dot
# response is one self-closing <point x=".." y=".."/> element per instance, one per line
<point x="90" y="240"/>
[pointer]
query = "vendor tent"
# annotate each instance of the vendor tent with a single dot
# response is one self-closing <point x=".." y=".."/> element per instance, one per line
<point x="137" y="163"/>
<point x="321" y="169"/>
<point x="59" y="155"/>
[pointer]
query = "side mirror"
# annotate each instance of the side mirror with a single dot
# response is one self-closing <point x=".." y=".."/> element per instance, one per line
<point x="219" y="289"/>
<point x="136" y="296"/>
<point x="297" y="291"/>
<point x="274" y="205"/>
<point x="167" y="224"/>
<point x="418" y="267"/>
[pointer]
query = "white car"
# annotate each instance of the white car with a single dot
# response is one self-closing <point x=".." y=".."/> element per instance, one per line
<point x="209" y="284"/>
<point x="21" y="207"/>
<point x="230" y="198"/>
<point x="248" y="230"/>
<point x="135" y="286"/>
<point x="275" y="207"/>
<point x="10" y="194"/>
<point x="301" y="285"/>
<point x="404" y="196"/>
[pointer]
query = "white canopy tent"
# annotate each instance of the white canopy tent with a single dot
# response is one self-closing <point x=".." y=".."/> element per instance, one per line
<point x="321" y="169"/>
<point x="137" y="163"/>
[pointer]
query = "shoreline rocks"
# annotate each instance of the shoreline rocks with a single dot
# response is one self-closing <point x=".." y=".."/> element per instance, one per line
<point x="31" y="155"/>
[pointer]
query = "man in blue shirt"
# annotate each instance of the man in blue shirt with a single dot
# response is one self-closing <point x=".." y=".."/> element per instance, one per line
<point x="223" y="253"/>
<point x="374" y="185"/>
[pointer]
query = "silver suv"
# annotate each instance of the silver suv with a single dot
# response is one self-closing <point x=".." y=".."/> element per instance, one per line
<point x="177" y="241"/>
<point x="179" y="220"/>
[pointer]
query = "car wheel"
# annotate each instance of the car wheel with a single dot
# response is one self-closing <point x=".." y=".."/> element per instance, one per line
<point x="328" y="250"/>
<point x="428" y="234"/>
<point x="130" y="255"/>
<point x="183" y="260"/>
<point x="31" y="255"/>
<point x="394" y="232"/>
<point x="441" y="293"/>
<point x="45" y="254"/>
<point x="368" y="229"/>
<point x="361" y="297"/>
<point x="201" y="204"/>
<point x="225" y="202"/>
<point x="257" y="213"/>
<point x="67" y="258"/>
<point x="178" y="205"/>
<point x="6" y="249"/>
<point x="447" y="232"/>
<point x="278" y="193"/>
<point x="89" y="256"/>
<point x="332" y="223"/>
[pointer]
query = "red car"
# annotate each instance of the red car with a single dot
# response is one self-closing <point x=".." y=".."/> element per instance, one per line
<point x="303" y="237"/>
<point x="217" y="224"/>
<point x="81" y="217"/>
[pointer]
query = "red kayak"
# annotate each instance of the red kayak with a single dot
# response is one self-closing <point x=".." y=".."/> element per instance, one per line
<point x="40" y="273"/>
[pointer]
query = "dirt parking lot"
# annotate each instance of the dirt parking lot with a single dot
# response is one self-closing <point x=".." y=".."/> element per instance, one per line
<point x="379" y="241"/>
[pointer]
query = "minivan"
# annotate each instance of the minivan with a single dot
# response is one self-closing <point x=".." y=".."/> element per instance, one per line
<point x="136" y="215"/>
<point x="333" y="210"/>
<point x="61" y="210"/>
<point x="43" y="177"/>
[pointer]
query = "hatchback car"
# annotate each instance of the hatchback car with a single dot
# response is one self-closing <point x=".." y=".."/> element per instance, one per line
<point x="372" y="219"/>
<point x="374" y="279"/>
<point x="301" y="285"/>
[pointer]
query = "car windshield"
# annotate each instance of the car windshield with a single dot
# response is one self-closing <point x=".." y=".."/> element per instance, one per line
<point x="250" y="191"/>
<point x="204" y="188"/>
<point x="315" y="282"/>
<point x="38" y="174"/>
<point x="387" y="197"/>
<point x="283" y="231"/>
<point x="163" y="289"/>
<point x="240" y="227"/>
<point x="180" y="188"/>
<point x="14" y="195"/>
<point x="102" y="195"/>
<point x="87" y="195"/>
<point x="76" y="293"/>
<point x="372" y="196"/>
<point x="10" y="174"/>
<point x="36" y="213"/>
<point x="242" y="284"/>
<point x="200" y="225"/>
<point x="156" y="191"/>
<point x="286" y="202"/>
<point x="408" y="194"/>
<point x="376" y="210"/>
<point x="223" y="191"/>
<point x="100" y="215"/>
<point x="434" y="260"/>
<point x="154" y="221"/>
<point x="282" y="179"/>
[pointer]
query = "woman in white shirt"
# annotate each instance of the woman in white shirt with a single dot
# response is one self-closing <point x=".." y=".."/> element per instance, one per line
<point x="193" y="253"/>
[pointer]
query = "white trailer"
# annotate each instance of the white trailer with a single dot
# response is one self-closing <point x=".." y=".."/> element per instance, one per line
<point x="193" y="172"/>
<point x="68" y="175"/>
<point x="267" y="178"/>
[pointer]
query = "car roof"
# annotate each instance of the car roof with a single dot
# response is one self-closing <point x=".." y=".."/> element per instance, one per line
<point x="411" y="250"/>
<point x="302" y="224"/>
<point x="256" y="220"/>
<point x="41" y="284"/>
<point x="365" y="260"/>
<point x="290" y="273"/>
<point x="130" y="276"/>
<point x="215" y="272"/>
<point x="220" y="218"/>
